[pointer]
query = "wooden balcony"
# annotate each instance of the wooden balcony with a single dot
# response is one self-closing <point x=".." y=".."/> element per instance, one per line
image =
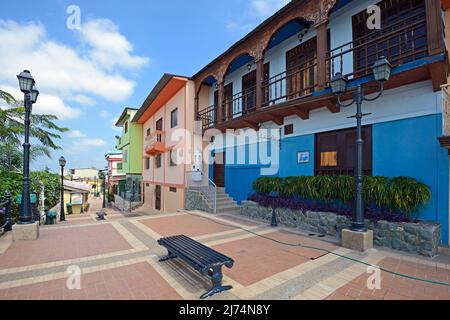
<point x="414" y="44"/>
<point x="155" y="143"/>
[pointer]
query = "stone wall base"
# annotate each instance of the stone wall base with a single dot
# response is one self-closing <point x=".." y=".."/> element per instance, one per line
<point x="421" y="238"/>
<point x="25" y="231"/>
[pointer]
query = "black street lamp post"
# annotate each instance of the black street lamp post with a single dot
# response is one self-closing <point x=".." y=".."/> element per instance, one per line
<point x="62" y="163"/>
<point x="381" y="71"/>
<point x="101" y="175"/>
<point x="27" y="86"/>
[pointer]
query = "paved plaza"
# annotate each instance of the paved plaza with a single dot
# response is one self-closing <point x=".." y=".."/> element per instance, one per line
<point x="118" y="259"/>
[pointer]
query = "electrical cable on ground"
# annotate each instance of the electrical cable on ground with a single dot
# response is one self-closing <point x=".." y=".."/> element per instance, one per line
<point x="326" y="251"/>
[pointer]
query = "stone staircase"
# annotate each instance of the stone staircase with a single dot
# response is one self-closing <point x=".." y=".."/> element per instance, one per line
<point x="226" y="204"/>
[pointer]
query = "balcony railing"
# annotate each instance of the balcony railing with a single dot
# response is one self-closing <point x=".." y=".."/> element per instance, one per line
<point x="297" y="82"/>
<point x="240" y="104"/>
<point x="208" y="117"/>
<point x="155" y="143"/>
<point x="401" y="42"/>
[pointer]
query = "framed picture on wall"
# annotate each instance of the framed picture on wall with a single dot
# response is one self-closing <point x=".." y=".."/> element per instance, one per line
<point x="303" y="157"/>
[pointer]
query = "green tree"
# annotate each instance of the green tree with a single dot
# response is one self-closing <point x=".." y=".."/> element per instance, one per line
<point x="42" y="128"/>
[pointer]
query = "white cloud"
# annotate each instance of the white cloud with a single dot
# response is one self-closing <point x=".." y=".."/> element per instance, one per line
<point x="103" y="114"/>
<point x="88" y="142"/>
<point x="265" y="8"/>
<point x="255" y="13"/>
<point x="113" y="122"/>
<point x="109" y="47"/>
<point x="76" y="134"/>
<point x="50" y="104"/>
<point x="82" y="99"/>
<point x="84" y="144"/>
<point x="64" y="71"/>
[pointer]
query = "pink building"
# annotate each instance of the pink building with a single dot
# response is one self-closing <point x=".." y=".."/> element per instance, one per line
<point x="165" y="114"/>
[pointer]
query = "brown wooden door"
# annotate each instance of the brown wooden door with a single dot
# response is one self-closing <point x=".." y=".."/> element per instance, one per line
<point x="228" y="101"/>
<point x="216" y="105"/>
<point x="301" y="66"/>
<point x="219" y="169"/>
<point x="248" y="92"/>
<point x="158" y="197"/>
<point x="265" y="84"/>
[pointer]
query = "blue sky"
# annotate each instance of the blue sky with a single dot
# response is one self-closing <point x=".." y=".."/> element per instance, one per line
<point x="88" y="76"/>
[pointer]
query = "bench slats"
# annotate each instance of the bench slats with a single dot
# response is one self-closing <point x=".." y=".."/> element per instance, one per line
<point x="194" y="252"/>
<point x="201" y="252"/>
<point x="198" y="250"/>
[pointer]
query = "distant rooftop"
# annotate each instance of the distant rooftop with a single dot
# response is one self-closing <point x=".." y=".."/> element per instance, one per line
<point x="77" y="186"/>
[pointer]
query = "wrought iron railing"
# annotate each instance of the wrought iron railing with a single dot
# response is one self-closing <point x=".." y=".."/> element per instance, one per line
<point x="5" y="212"/>
<point x="199" y="182"/>
<point x="240" y="104"/>
<point x="400" y="42"/>
<point x="294" y="83"/>
<point x="208" y="117"/>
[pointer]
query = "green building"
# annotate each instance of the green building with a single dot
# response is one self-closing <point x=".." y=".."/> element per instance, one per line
<point x="130" y="143"/>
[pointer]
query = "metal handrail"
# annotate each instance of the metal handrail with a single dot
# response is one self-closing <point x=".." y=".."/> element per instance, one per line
<point x="209" y="191"/>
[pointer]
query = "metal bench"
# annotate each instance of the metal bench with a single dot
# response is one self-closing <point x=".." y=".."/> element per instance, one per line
<point x="203" y="259"/>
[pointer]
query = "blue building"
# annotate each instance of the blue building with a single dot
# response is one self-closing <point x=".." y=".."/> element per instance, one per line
<point x="277" y="78"/>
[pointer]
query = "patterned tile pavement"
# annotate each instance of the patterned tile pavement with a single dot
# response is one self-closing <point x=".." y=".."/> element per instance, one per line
<point x="118" y="259"/>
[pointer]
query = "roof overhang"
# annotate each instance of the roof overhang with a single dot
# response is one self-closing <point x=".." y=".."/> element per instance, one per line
<point x="123" y="116"/>
<point x="164" y="90"/>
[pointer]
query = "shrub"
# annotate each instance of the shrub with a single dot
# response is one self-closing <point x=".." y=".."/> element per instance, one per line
<point x="12" y="182"/>
<point x="407" y="194"/>
<point x="402" y="195"/>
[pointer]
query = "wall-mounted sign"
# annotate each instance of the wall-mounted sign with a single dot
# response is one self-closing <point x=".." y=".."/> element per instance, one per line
<point x="303" y="157"/>
<point x="76" y="198"/>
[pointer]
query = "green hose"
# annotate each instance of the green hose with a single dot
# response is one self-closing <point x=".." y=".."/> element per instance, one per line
<point x="326" y="251"/>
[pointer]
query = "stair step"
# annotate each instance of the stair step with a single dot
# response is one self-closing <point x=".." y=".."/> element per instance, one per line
<point x="228" y="210"/>
<point x="231" y="207"/>
<point x="226" y="203"/>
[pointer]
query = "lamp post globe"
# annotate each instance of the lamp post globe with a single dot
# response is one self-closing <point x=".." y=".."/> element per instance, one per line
<point x="34" y="93"/>
<point x="382" y="69"/>
<point x="338" y="84"/>
<point x="26" y="81"/>
<point x="62" y="163"/>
